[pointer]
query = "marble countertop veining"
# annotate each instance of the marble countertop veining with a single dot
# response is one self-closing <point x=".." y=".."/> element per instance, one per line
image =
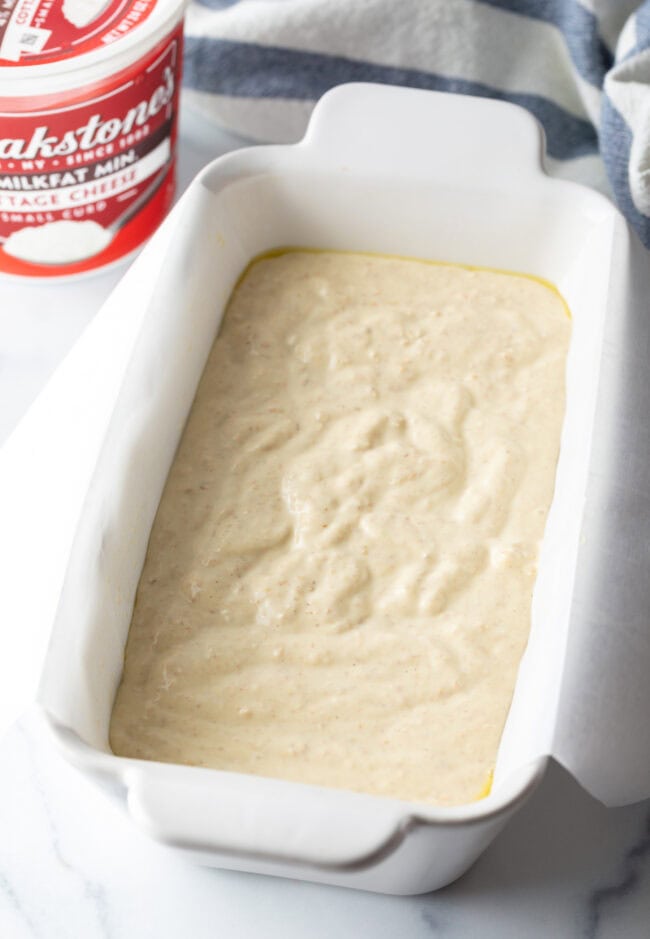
<point x="73" y="867"/>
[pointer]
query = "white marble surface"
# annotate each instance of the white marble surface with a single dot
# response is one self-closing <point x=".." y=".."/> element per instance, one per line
<point x="72" y="867"/>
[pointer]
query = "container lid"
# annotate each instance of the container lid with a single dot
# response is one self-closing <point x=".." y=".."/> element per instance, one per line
<point x="42" y="38"/>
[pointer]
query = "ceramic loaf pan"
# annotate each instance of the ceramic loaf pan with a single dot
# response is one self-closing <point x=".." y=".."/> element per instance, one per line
<point x="385" y="170"/>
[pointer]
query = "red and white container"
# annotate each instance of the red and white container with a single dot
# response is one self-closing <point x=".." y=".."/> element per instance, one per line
<point x="88" y="124"/>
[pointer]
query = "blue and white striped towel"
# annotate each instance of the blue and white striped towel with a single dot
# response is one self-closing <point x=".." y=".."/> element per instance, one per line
<point x="582" y="67"/>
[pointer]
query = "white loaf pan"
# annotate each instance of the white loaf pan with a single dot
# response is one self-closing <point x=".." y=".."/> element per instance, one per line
<point x="386" y="170"/>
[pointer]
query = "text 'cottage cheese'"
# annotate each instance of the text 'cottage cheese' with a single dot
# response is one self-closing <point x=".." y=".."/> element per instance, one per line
<point x="88" y="125"/>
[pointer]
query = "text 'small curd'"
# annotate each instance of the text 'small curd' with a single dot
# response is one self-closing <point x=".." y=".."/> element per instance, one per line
<point x="338" y="584"/>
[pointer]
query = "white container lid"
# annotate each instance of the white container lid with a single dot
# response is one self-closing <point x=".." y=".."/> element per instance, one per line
<point x="72" y="56"/>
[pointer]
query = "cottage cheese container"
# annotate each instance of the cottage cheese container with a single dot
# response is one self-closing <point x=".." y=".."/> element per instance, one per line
<point x="88" y="107"/>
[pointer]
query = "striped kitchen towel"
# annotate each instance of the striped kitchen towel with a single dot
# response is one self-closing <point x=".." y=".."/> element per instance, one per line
<point x="582" y="67"/>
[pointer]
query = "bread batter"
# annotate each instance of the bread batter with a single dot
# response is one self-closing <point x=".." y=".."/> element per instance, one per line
<point x="338" y="583"/>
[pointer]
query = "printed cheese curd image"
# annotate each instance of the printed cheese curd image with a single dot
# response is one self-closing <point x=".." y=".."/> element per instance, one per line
<point x="338" y="583"/>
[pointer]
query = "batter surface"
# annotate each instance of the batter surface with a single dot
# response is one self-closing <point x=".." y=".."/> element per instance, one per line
<point x="338" y="583"/>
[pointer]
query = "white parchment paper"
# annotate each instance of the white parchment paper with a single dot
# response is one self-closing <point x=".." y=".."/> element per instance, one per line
<point x="92" y="455"/>
<point x="583" y="692"/>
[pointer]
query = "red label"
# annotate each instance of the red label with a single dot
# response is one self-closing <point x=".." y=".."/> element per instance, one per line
<point x="36" y="31"/>
<point x="84" y="182"/>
